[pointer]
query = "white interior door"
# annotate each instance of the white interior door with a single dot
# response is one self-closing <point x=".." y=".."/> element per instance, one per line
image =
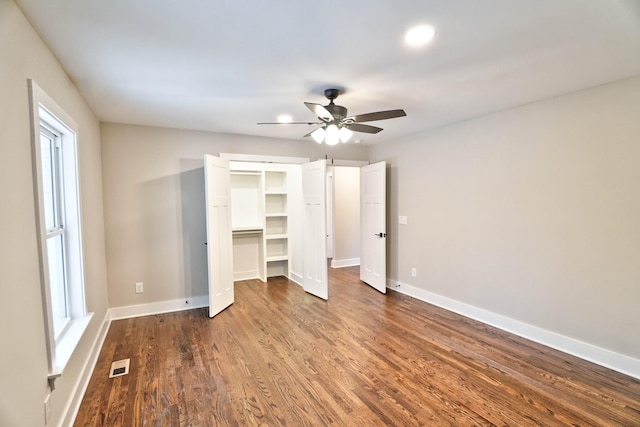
<point x="373" y="248"/>
<point x="314" y="234"/>
<point x="329" y="211"/>
<point x="219" y="237"/>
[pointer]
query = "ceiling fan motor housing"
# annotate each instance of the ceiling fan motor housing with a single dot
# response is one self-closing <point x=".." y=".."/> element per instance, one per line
<point x="331" y="94"/>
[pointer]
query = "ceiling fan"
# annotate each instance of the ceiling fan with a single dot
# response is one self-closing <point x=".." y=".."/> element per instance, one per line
<point x="334" y="123"/>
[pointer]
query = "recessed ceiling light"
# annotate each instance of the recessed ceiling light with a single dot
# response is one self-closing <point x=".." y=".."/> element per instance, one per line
<point x="284" y="118"/>
<point x="420" y="35"/>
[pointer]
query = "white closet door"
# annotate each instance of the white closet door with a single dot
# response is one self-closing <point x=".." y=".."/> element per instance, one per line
<point x="219" y="237"/>
<point x="373" y="256"/>
<point x="314" y="236"/>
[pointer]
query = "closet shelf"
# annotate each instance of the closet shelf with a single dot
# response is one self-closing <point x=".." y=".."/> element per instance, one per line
<point x="276" y="236"/>
<point x="272" y="215"/>
<point x="256" y="228"/>
<point x="277" y="258"/>
<point x="249" y="173"/>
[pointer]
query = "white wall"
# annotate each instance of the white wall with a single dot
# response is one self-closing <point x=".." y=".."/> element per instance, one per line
<point x="154" y="205"/>
<point x="23" y="386"/>
<point x="346" y="216"/>
<point x="531" y="213"/>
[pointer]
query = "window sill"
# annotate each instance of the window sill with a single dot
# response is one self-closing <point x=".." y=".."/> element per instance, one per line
<point x="66" y="346"/>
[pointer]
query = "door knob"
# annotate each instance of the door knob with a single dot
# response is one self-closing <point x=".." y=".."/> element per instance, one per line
<point x="381" y="235"/>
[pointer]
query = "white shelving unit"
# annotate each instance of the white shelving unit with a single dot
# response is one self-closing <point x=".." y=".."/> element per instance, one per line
<point x="276" y="217"/>
<point x="260" y="222"/>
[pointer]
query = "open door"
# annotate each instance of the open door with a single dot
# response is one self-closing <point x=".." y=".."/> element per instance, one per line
<point x="219" y="238"/>
<point x="373" y="256"/>
<point x="329" y="211"/>
<point x="315" y="241"/>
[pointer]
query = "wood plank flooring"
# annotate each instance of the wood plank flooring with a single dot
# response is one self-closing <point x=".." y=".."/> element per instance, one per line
<point x="278" y="356"/>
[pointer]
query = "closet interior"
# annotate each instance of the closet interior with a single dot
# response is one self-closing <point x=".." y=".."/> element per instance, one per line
<point x="264" y="219"/>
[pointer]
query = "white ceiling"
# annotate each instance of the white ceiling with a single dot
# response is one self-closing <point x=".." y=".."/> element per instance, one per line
<point x="224" y="65"/>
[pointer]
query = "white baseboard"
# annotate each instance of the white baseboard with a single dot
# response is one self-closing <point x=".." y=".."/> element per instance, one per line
<point x="128" y="311"/>
<point x="246" y="275"/>
<point x="607" y="358"/>
<point x="339" y="263"/>
<point x="296" y="277"/>
<point x="73" y="406"/>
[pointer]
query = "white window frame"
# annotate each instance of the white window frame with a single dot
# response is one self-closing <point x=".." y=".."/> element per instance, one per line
<point x="45" y="113"/>
<point x="57" y="230"/>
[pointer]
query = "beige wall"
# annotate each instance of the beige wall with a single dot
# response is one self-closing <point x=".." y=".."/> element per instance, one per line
<point x="346" y="213"/>
<point x="530" y="213"/>
<point x="23" y="386"/>
<point x="154" y="205"/>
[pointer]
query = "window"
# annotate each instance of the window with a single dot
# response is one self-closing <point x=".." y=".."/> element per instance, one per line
<point x="58" y="215"/>
<point x="53" y="200"/>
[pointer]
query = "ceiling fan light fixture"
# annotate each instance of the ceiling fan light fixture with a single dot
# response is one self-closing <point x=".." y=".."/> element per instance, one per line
<point x="318" y="135"/>
<point x="344" y="134"/>
<point x="332" y="136"/>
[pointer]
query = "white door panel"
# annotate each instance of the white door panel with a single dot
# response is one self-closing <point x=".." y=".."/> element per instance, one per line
<point x="330" y="211"/>
<point x="219" y="237"/>
<point x="373" y="255"/>
<point x="315" y="250"/>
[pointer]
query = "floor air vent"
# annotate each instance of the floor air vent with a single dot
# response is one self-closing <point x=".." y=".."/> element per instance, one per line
<point x="119" y="368"/>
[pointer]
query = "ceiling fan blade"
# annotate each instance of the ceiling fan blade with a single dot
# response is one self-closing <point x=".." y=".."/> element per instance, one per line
<point x="379" y="115"/>
<point x="363" y="128"/>
<point x="290" y="123"/>
<point x="320" y="111"/>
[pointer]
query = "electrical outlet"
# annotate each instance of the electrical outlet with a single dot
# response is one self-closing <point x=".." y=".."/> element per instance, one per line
<point x="139" y="287"/>
<point x="414" y="272"/>
<point x="47" y="409"/>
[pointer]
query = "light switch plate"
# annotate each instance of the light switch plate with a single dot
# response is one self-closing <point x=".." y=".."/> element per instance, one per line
<point x="402" y="220"/>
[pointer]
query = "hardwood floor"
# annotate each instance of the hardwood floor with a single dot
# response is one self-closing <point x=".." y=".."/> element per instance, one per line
<point x="278" y="356"/>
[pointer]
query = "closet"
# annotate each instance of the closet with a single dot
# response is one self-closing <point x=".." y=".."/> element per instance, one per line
<point x="268" y="219"/>
<point x="263" y="219"/>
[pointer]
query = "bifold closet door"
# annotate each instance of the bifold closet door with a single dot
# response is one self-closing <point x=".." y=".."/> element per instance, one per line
<point x="219" y="237"/>
<point x="315" y="235"/>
